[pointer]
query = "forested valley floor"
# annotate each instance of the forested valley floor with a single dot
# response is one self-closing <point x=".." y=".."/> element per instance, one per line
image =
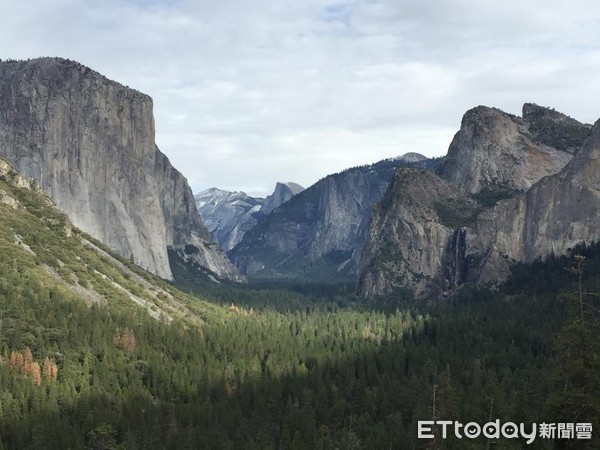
<point x="269" y="367"/>
<point x="276" y="369"/>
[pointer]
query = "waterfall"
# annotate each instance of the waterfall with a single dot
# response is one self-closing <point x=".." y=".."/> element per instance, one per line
<point x="459" y="245"/>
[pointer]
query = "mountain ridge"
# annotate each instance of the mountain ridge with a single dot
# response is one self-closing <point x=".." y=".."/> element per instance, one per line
<point x="229" y="215"/>
<point x="513" y="208"/>
<point x="318" y="233"/>
<point x="495" y="149"/>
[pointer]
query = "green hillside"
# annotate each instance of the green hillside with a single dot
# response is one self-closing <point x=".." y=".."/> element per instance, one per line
<point x="98" y="354"/>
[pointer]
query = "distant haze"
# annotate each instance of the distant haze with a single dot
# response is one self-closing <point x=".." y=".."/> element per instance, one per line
<point x="250" y="93"/>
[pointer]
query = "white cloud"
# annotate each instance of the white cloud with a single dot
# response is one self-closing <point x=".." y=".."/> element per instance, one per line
<point x="250" y="93"/>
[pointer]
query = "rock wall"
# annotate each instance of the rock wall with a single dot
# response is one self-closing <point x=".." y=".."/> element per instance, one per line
<point x="416" y="238"/>
<point x="89" y="142"/>
<point x="282" y="193"/>
<point x="494" y="149"/>
<point x="556" y="214"/>
<point x="432" y="235"/>
<point x="318" y="233"/>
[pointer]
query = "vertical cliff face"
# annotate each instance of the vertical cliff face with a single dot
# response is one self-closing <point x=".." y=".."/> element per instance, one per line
<point x="282" y="193"/>
<point x="229" y="215"/>
<point x="319" y="233"/>
<point x="89" y="143"/>
<point x="554" y="199"/>
<point x="556" y="214"/>
<point x="432" y="236"/>
<point x="416" y="237"/>
<point x="494" y="149"/>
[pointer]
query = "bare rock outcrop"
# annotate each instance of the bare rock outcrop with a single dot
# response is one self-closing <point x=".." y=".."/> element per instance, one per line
<point x="89" y="143"/>
<point x="416" y="236"/>
<point x="282" y="193"/>
<point x="517" y="190"/>
<point x="494" y="149"/>
<point x="554" y="216"/>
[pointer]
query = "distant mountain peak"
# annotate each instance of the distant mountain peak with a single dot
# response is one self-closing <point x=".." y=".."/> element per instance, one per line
<point x="410" y="157"/>
<point x="282" y="193"/>
<point x="294" y="187"/>
<point x="229" y="215"/>
<point x="494" y="149"/>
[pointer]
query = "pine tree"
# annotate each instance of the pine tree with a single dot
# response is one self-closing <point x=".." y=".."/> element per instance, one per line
<point x="16" y="360"/>
<point x="36" y="373"/>
<point x="49" y="370"/>
<point x="578" y="350"/>
<point x="27" y="360"/>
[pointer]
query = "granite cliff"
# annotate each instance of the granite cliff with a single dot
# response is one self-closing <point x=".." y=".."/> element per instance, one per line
<point x="319" y="233"/>
<point x="557" y="213"/>
<point x="282" y="193"/>
<point x="89" y="143"/>
<point x="229" y="215"/>
<point x="515" y="189"/>
<point x="414" y="229"/>
<point x="495" y="150"/>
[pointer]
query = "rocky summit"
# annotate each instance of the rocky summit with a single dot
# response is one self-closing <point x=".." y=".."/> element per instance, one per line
<point x="282" y="193"/>
<point x="510" y="190"/>
<point x="320" y="232"/>
<point x="229" y="215"/>
<point x="89" y="143"/>
<point x="496" y="150"/>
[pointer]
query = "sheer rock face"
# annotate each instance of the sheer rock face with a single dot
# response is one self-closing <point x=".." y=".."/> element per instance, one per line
<point x="495" y="149"/>
<point x="282" y="193"/>
<point x="319" y="232"/>
<point x="431" y="236"/>
<point x="89" y="143"/>
<point x="229" y="215"/>
<point x="416" y="239"/>
<point x="553" y="216"/>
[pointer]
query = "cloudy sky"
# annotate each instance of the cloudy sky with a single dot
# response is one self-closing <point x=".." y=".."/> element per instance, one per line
<point x="247" y="93"/>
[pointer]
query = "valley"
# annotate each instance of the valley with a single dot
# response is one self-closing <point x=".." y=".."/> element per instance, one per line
<point x="134" y="314"/>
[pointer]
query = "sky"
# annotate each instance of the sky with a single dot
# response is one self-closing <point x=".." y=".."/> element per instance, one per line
<point x="248" y="93"/>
